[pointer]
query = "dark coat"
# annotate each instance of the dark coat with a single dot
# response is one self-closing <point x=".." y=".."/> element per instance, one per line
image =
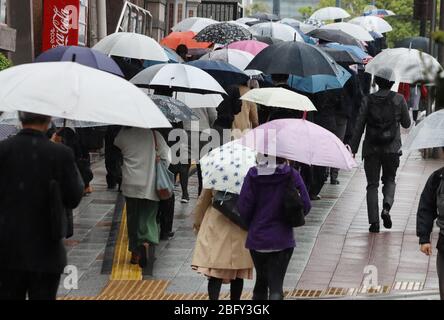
<point x="402" y="117"/>
<point x="228" y="108"/>
<point x="28" y="162"/>
<point x="428" y="208"/>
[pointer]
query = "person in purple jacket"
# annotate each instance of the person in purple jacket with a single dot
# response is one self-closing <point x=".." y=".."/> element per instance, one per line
<point x="270" y="238"/>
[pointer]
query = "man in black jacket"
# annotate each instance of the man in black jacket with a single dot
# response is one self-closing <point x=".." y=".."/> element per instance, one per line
<point x="31" y="262"/>
<point x="381" y="154"/>
<point x="431" y="208"/>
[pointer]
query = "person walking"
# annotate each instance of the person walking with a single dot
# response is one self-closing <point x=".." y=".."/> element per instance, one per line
<point x="138" y="147"/>
<point x="31" y="258"/>
<point x="247" y="118"/>
<point x="226" y="112"/>
<point x="220" y="252"/>
<point x="381" y="115"/>
<point x="431" y="208"/>
<point x="113" y="159"/>
<point x="270" y="237"/>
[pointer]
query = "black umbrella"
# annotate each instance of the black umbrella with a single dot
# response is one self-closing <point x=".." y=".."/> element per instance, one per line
<point x="268" y="40"/>
<point x="223" y="33"/>
<point x="342" y="56"/>
<point x="296" y="58"/>
<point x="265" y="16"/>
<point x="224" y="73"/>
<point x="419" y="43"/>
<point x="174" y="110"/>
<point x="335" y="36"/>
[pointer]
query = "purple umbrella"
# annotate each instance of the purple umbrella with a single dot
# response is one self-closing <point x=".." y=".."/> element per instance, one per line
<point x="86" y="56"/>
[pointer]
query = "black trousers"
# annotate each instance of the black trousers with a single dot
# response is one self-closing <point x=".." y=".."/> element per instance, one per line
<point x="17" y="284"/>
<point x="270" y="273"/>
<point x="113" y="158"/>
<point x="166" y="215"/>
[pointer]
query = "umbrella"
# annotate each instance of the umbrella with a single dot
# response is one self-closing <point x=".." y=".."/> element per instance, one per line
<point x="291" y="22"/>
<point x="351" y="29"/>
<point x="276" y="30"/>
<point x="299" y="140"/>
<point x="7" y="131"/>
<point x="173" y="57"/>
<point x="250" y="46"/>
<point x="174" y="39"/>
<point x="173" y="109"/>
<point x="295" y="58"/>
<point x="239" y="59"/>
<point x="225" y="73"/>
<point x="379" y="12"/>
<point x="372" y="23"/>
<point x="268" y="40"/>
<point x="243" y="25"/>
<point x="196" y="100"/>
<point x="342" y="56"/>
<point x="223" y="33"/>
<point x="279" y="97"/>
<point x="225" y="168"/>
<point x="335" y="36"/>
<point x="330" y="13"/>
<point x="265" y="16"/>
<point x="194" y="24"/>
<point x="320" y="82"/>
<point x="246" y="20"/>
<point x="72" y="91"/>
<point x="177" y="77"/>
<point x="86" y="56"/>
<point x="405" y="65"/>
<point x="131" y="45"/>
<point x="429" y="133"/>
<point x="419" y="43"/>
<point x="310" y="25"/>
<point x="357" y="51"/>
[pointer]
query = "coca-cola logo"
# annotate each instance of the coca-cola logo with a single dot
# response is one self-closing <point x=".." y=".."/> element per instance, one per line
<point x="63" y="20"/>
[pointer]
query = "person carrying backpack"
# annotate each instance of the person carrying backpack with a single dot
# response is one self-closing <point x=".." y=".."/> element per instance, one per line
<point x="381" y="115"/>
<point x="431" y="208"/>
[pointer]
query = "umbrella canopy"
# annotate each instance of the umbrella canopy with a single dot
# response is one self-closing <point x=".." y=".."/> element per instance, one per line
<point x="173" y="109"/>
<point x="291" y="22"/>
<point x="429" y="133"/>
<point x="131" y="45"/>
<point x="351" y="29"/>
<point x="405" y="65"/>
<point x="246" y="20"/>
<point x="71" y="91"/>
<point x="250" y="46"/>
<point x="225" y="73"/>
<point x="243" y="25"/>
<point x="223" y="33"/>
<point x="379" y="13"/>
<point x="174" y="39"/>
<point x="372" y="23"/>
<point x="279" y="97"/>
<point x="173" y="57"/>
<point x="295" y="58"/>
<point x="86" y="56"/>
<point x="268" y="40"/>
<point x="239" y="59"/>
<point x="276" y="30"/>
<point x="342" y="56"/>
<point x="335" y="36"/>
<point x="299" y="140"/>
<point x="357" y="51"/>
<point x="225" y="168"/>
<point x="196" y="100"/>
<point x="265" y="16"/>
<point x="177" y="77"/>
<point x="418" y="43"/>
<point x="330" y="13"/>
<point x="310" y="25"/>
<point x="194" y="24"/>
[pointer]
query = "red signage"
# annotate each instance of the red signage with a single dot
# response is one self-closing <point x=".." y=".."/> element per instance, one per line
<point x="60" y="23"/>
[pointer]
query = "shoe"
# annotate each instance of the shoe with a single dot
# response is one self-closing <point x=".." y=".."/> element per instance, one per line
<point x="112" y="186"/>
<point x="334" y="181"/>
<point x="387" y="219"/>
<point x="143" y="255"/>
<point x="374" y="227"/>
<point x="185" y="200"/>
<point x="166" y="236"/>
<point x="134" y="258"/>
<point x="315" y="198"/>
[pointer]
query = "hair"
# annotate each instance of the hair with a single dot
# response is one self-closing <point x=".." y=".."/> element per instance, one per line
<point x="384" y="83"/>
<point x="253" y="84"/>
<point x="279" y="77"/>
<point x="29" y="118"/>
<point x="182" y="49"/>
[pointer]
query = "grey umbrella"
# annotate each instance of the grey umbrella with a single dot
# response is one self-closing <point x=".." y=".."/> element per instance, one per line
<point x="173" y="109"/>
<point x="223" y="33"/>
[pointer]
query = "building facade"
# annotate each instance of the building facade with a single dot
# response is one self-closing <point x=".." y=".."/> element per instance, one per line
<point x="220" y="10"/>
<point x="288" y="8"/>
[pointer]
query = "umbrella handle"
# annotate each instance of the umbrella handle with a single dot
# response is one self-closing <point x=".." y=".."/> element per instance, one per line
<point x="304" y="116"/>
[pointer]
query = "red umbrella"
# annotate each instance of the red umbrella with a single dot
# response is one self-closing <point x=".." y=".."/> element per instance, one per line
<point x="174" y="39"/>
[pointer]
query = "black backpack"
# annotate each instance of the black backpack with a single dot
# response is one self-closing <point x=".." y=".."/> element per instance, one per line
<point x="293" y="205"/>
<point x="382" y="125"/>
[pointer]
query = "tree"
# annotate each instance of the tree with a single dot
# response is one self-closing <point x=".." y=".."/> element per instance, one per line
<point x="257" y="7"/>
<point x="4" y="62"/>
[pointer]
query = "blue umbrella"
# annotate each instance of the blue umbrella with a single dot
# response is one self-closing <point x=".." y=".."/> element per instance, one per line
<point x="85" y="56"/>
<point x="358" y="52"/>
<point x="378" y="12"/>
<point x="319" y="82"/>
<point x="224" y="73"/>
<point x="173" y="57"/>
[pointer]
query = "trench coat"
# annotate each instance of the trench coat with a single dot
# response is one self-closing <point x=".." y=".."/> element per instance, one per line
<point x="248" y="117"/>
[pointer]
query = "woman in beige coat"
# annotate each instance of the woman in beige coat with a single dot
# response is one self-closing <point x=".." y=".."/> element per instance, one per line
<point x="220" y="252"/>
<point x="248" y="118"/>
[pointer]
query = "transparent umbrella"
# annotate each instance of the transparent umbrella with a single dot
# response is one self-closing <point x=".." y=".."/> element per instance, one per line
<point x="428" y="134"/>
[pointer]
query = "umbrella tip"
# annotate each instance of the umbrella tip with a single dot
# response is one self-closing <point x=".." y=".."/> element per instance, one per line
<point x="74" y="56"/>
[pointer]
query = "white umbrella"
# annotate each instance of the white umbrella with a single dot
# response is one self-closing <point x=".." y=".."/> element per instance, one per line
<point x="238" y="58"/>
<point x="330" y="13"/>
<point x="276" y="30"/>
<point x="404" y="65"/>
<point x="429" y="133"/>
<point x="290" y="21"/>
<point x="195" y="24"/>
<point x="72" y="91"/>
<point x="178" y="77"/>
<point x="240" y="24"/>
<point x="246" y="20"/>
<point x="354" y="30"/>
<point x="279" y="97"/>
<point x="131" y="45"/>
<point x="372" y="23"/>
<point x="196" y="100"/>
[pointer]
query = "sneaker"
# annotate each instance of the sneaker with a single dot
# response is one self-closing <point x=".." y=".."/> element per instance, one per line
<point x="374" y="227"/>
<point x="315" y="198"/>
<point x="387" y="219"/>
<point x="334" y="181"/>
<point x="185" y="200"/>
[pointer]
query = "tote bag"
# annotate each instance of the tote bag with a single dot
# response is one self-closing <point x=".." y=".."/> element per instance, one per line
<point x="164" y="177"/>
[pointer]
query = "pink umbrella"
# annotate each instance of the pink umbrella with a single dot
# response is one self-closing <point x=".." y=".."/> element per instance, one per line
<point x="300" y="140"/>
<point x="251" y="46"/>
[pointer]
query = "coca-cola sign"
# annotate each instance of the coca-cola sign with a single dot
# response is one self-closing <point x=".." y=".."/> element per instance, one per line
<point x="60" y="23"/>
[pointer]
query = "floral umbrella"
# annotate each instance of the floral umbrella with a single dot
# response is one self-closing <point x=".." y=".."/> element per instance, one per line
<point x="173" y="109"/>
<point x="223" y="33"/>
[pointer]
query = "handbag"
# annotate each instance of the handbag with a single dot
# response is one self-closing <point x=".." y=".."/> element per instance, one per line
<point x="164" y="177"/>
<point x="293" y="205"/>
<point x="226" y="203"/>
